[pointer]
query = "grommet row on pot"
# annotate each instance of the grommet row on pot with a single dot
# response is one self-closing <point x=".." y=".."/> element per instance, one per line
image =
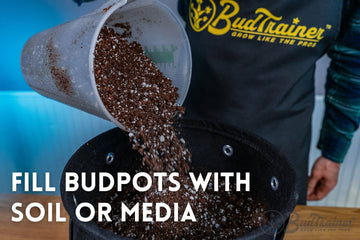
<point x="229" y="151"/>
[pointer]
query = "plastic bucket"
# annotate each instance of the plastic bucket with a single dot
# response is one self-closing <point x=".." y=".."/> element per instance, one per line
<point x="58" y="62"/>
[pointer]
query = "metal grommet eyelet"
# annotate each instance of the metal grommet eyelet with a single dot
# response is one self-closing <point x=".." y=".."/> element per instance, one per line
<point x="274" y="183"/>
<point x="110" y="157"/>
<point x="228" y="150"/>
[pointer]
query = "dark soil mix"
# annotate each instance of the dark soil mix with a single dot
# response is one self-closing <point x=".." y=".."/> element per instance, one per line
<point x="143" y="100"/>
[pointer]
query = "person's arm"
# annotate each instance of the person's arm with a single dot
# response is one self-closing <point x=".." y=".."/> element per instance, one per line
<point x="342" y="100"/>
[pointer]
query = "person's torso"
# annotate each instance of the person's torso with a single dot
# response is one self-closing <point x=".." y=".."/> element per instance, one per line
<point x="254" y="63"/>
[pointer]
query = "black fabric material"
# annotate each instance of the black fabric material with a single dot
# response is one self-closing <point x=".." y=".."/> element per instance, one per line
<point x="264" y="87"/>
<point x="205" y="140"/>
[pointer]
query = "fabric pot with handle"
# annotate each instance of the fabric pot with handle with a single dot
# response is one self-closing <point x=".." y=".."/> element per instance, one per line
<point x="216" y="148"/>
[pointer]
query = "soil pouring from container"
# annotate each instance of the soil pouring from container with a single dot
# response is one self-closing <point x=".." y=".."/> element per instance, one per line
<point x="216" y="148"/>
<point x="58" y="62"/>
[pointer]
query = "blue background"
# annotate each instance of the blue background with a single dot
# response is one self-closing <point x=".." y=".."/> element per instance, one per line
<point x="37" y="134"/>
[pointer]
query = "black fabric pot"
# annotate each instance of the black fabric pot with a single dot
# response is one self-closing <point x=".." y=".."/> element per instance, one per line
<point x="215" y="147"/>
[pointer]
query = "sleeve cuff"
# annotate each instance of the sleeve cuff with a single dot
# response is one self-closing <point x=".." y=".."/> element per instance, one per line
<point x="333" y="145"/>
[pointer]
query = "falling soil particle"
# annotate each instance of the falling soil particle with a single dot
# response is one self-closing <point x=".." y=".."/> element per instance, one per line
<point x="61" y="77"/>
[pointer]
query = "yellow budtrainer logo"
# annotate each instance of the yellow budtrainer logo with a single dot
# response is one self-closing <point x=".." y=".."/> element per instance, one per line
<point x="201" y="14"/>
<point x="265" y="26"/>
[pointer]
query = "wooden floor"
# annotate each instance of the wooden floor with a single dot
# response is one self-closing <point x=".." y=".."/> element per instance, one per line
<point x="305" y="223"/>
<point x="27" y="230"/>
